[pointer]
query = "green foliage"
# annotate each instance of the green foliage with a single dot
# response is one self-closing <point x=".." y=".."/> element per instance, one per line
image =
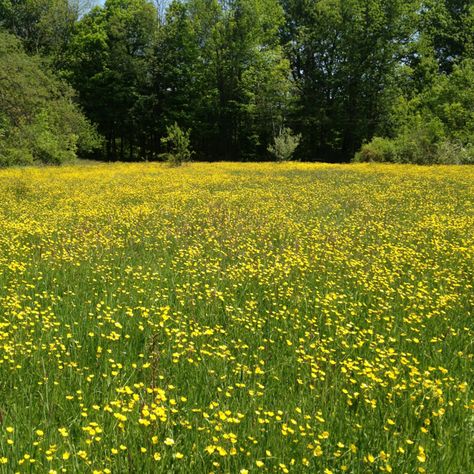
<point x="434" y="126"/>
<point x="344" y="55"/>
<point x="178" y="89"/>
<point x="251" y="77"/>
<point x="418" y="143"/>
<point x="447" y="31"/>
<point x="220" y="70"/>
<point x="177" y="144"/>
<point x="284" y="145"/>
<point x="338" y="72"/>
<point x="418" y="147"/>
<point x="378" y="150"/>
<point x="43" y="25"/>
<point x="455" y="153"/>
<point x="108" y="61"/>
<point x="38" y="120"/>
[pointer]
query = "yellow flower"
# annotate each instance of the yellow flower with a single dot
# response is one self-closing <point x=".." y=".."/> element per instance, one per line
<point x="221" y="451"/>
<point x="169" y="441"/>
<point x="421" y="455"/>
<point x="210" y="449"/>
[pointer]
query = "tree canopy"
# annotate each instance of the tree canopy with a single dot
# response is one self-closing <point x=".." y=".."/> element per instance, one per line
<point x="39" y="120"/>
<point x="238" y="73"/>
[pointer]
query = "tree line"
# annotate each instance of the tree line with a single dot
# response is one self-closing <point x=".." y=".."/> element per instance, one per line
<point x="370" y="80"/>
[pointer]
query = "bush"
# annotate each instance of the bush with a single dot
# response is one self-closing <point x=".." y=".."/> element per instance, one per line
<point x="417" y="142"/>
<point x="416" y="149"/>
<point x="178" y="145"/>
<point x="378" y="150"/>
<point x="284" y="145"/>
<point x="14" y="155"/>
<point x="454" y="153"/>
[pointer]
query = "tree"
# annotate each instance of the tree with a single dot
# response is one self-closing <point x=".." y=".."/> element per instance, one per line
<point x="284" y="145"/>
<point x="344" y="54"/>
<point x="44" y="26"/>
<point x="236" y="72"/>
<point x="434" y="126"/>
<point x="219" y="70"/>
<point x="177" y="144"/>
<point x="252" y="77"/>
<point x="178" y="92"/>
<point x="38" y="118"/>
<point x="447" y="26"/>
<point x="108" y="63"/>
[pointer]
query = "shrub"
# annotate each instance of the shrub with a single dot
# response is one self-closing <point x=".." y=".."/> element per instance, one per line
<point x="12" y="155"/>
<point x="449" y="152"/>
<point x="415" y="149"/>
<point x="177" y="144"/>
<point x="284" y="145"/>
<point x="378" y="150"/>
<point x="417" y="143"/>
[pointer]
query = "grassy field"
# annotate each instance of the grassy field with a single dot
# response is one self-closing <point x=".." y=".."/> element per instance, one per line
<point x="237" y="318"/>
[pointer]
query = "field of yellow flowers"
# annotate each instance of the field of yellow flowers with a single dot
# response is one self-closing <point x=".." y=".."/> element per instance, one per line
<point x="236" y="318"/>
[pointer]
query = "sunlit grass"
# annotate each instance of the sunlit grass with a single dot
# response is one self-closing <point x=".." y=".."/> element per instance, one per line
<point x="233" y="318"/>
